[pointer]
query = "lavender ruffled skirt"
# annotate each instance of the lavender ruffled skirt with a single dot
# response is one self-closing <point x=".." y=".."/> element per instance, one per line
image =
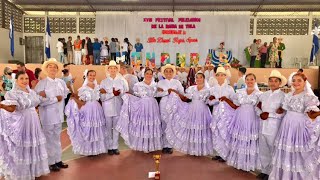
<point x="242" y="139"/>
<point x="188" y="130"/>
<point x="294" y="145"/>
<point x="139" y="123"/>
<point x="87" y="128"/>
<point x="221" y="117"/>
<point x="23" y="153"/>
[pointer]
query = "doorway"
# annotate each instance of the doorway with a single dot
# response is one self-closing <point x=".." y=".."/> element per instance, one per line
<point x="34" y="49"/>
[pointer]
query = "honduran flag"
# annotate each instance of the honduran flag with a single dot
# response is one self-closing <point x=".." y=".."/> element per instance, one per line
<point x="315" y="43"/>
<point x="11" y="37"/>
<point x="48" y="39"/>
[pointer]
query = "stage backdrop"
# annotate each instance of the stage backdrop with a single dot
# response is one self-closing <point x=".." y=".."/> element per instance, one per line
<point x="178" y="32"/>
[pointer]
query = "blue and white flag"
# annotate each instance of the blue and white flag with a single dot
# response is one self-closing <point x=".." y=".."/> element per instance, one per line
<point x="11" y="36"/>
<point x="48" y="39"/>
<point x="315" y="43"/>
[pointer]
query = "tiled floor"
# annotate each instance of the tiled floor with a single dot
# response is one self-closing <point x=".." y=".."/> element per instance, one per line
<point x="132" y="165"/>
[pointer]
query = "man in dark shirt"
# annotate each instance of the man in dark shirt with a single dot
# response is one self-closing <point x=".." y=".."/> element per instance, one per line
<point x="21" y="67"/>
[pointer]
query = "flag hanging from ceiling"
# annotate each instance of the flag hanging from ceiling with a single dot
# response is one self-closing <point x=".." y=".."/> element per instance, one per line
<point x="48" y="39"/>
<point x="315" y="43"/>
<point x="11" y="36"/>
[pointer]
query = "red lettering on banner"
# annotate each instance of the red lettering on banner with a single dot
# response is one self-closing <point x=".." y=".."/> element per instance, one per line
<point x="153" y="26"/>
<point x="164" y="20"/>
<point x="160" y="26"/>
<point x="181" y="26"/>
<point x="172" y="32"/>
<point x="152" y="40"/>
<point x="189" y="19"/>
<point x="192" y="40"/>
<point x="163" y="40"/>
<point x="190" y="26"/>
<point x="147" y="19"/>
<point x="178" y="41"/>
<point x="171" y="26"/>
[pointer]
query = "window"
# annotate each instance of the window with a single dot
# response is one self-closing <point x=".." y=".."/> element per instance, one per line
<point x="34" y="24"/>
<point x="282" y="26"/>
<point x="87" y="25"/>
<point x="314" y="22"/>
<point x="11" y="10"/>
<point x="63" y="25"/>
<point x="1" y="14"/>
<point x="251" y="26"/>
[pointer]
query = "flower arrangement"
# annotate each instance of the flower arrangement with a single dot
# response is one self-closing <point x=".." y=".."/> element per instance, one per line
<point x="235" y="63"/>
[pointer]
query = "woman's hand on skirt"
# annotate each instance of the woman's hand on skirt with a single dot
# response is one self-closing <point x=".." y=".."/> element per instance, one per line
<point x="212" y="98"/>
<point x="264" y="115"/>
<point x="280" y="110"/>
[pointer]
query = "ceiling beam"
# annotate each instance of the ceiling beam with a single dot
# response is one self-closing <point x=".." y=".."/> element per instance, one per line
<point x="117" y="3"/>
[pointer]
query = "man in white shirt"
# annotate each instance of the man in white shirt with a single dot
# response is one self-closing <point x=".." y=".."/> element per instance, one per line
<point x="60" y="50"/>
<point x="270" y="112"/>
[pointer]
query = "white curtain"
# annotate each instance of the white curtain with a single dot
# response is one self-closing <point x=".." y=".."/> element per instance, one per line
<point x="231" y="27"/>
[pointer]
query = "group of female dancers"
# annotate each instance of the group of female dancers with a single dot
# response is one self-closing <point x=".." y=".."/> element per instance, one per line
<point x="273" y="132"/>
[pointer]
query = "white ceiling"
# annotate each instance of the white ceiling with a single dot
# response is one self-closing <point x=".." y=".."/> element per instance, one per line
<point x="168" y="5"/>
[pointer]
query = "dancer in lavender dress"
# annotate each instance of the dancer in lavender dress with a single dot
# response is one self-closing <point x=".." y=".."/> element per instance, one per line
<point x="243" y="130"/>
<point x="221" y="115"/>
<point x="164" y="86"/>
<point x="313" y="162"/>
<point x="86" y="121"/>
<point x="139" y="122"/>
<point x="189" y="131"/>
<point x="23" y="153"/>
<point x="295" y="140"/>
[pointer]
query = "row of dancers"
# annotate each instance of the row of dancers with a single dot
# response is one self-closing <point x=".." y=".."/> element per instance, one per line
<point x="273" y="132"/>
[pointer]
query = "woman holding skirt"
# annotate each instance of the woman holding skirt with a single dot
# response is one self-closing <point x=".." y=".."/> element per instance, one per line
<point x="139" y="122"/>
<point x="221" y="115"/>
<point x="189" y="130"/>
<point x="243" y="130"/>
<point x="296" y="137"/>
<point x="23" y="153"/>
<point x="85" y="117"/>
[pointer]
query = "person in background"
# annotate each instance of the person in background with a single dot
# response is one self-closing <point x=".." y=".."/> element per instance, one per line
<point x="65" y="50"/>
<point x="125" y="50"/>
<point x="68" y="80"/>
<point x="273" y="54"/>
<point x="96" y="51"/>
<point x="38" y="75"/>
<point x="183" y="76"/>
<point x="118" y="53"/>
<point x="22" y="67"/>
<point x="241" y="81"/>
<point x="269" y="48"/>
<point x="104" y="54"/>
<point x="263" y="53"/>
<point x="281" y="48"/>
<point x="254" y="52"/>
<point x="113" y="49"/>
<point x="131" y="79"/>
<point x="7" y="81"/>
<point x="84" y="51"/>
<point x="70" y="50"/>
<point x="77" y="50"/>
<point x="138" y="46"/>
<point x="73" y="79"/>
<point x="60" y="50"/>
<point x="90" y="50"/>
<point x="213" y="80"/>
